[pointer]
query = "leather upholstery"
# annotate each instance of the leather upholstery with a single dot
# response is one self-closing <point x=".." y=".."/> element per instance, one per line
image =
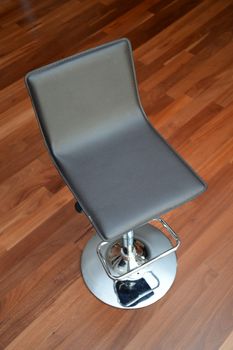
<point x="118" y="167"/>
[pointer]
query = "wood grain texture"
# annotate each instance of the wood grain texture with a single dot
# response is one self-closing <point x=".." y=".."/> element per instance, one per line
<point x="184" y="61"/>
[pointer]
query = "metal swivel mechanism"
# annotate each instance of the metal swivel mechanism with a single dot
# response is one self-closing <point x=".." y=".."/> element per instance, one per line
<point x="133" y="271"/>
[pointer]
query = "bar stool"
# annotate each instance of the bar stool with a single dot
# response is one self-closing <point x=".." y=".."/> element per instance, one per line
<point x="120" y="170"/>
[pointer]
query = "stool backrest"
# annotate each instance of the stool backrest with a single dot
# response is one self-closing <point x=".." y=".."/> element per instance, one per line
<point x="86" y="97"/>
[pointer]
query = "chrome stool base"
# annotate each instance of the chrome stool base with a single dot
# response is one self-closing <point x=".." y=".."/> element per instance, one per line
<point x="152" y="282"/>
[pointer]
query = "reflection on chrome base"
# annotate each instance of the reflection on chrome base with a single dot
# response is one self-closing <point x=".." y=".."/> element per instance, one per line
<point x="134" y="251"/>
<point x="132" y="292"/>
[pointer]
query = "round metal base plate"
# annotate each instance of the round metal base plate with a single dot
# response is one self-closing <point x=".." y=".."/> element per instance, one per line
<point x="103" y="287"/>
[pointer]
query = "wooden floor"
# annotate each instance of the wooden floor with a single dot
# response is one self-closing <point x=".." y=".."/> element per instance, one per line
<point x="184" y="62"/>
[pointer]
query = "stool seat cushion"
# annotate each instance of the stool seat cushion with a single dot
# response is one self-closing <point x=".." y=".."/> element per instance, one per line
<point x="118" y="167"/>
<point x="129" y="178"/>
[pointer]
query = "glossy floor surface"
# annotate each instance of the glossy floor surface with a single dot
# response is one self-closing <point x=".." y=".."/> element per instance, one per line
<point x="183" y="53"/>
